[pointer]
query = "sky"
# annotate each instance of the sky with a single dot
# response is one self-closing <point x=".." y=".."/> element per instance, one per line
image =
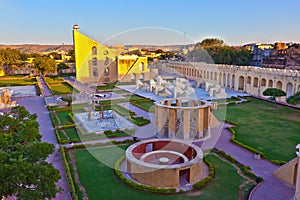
<point x="162" y="22"/>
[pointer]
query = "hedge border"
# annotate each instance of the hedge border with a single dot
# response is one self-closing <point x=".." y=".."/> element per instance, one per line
<point x="69" y="178"/>
<point x="251" y="149"/>
<point x="207" y="180"/>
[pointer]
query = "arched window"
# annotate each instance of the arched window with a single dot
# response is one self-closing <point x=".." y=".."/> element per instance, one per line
<point x="106" y="62"/>
<point x="255" y="82"/>
<point x="141" y="66"/>
<point x="94" y="50"/>
<point x="263" y="82"/>
<point x="94" y="61"/>
<point x="95" y="72"/>
<point x="106" y="71"/>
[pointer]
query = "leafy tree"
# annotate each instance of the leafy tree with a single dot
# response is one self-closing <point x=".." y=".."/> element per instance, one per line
<point x="45" y="65"/>
<point x="8" y="59"/>
<point x="69" y="99"/>
<point x="273" y="93"/>
<point x="9" y="56"/>
<point x="61" y="65"/>
<point x="55" y="56"/>
<point x="72" y="54"/>
<point x="214" y="50"/>
<point x="24" y="173"/>
<point x="212" y="42"/>
<point x="295" y="99"/>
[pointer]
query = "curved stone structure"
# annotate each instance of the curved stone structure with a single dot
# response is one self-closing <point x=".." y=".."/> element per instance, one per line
<point x="164" y="163"/>
<point x="182" y="118"/>
<point x="250" y="79"/>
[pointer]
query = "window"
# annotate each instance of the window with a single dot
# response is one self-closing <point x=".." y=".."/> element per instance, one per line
<point x="141" y="66"/>
<point x="94" y="50"/>
<point x="94" y="61"/>
<point x="106" y="71"/>
<point x="106" y="62"/>
<point x="106" y="79"/>
<point x="95" y="72"/>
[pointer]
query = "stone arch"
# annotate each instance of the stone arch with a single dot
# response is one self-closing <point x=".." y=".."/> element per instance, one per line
<point x="279" y="85"/>
<point x="204" y="74"/>
<point x="207" y="75"/>
<point x="233" y="81"/>
<point x="241" y="83"/>
<point x="211" y="76"/>
<point x="270" y="84"/>
<point x="215" y="78"/>
<point x="224" y="79"/>
<point x="289" y="89"/>
<point x="255" y="82"/>
<point x="220" y="78"/>
<point x="228" y="80"/>
<point x="249" y="80"/>
<point x="94" y="50"/>
<point x="263" y="82"/>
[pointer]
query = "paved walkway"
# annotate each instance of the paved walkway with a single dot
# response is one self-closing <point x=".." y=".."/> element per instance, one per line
<point x="37" y="105"/>
<point x="272" y="188"/>
<point x="45" y="90"/>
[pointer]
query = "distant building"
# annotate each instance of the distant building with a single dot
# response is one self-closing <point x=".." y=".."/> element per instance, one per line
<point x="98" y="63"/>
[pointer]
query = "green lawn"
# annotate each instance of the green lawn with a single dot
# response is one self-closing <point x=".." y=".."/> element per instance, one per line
<point x="71" y="133"/>
<point x="14" y="81"/>
<point x="100" y="182"/>
<point x="272" y="129"/>
<point x="58" y="88"/>
<point x="146" y="105"/>
<point x="64" y="117"/>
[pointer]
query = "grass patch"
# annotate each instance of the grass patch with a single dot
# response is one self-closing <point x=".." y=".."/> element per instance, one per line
<point x="64" y="118"/>
<point x="145" y="105"/>
<point x="140" y="121"/>
<point x="100" y="181"/>
<point x="15" y="81"/>
<point x="266" y="127"/>
<point x="57" y="85"/>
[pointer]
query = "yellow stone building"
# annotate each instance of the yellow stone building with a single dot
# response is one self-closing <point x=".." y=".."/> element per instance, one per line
<point x="98" y="63"/>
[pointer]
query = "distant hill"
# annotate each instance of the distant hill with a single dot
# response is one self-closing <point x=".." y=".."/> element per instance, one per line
<point x="36" y="48"/>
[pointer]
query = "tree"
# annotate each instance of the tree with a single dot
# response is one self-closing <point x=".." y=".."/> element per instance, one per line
<point x="295" y="99"/>
<point x="72" y="54"/>
<point x="69" y="99"/>
<point x="61" y="65"/>
<point x="24" y="173"/>
<point x="8" y="58"/>
<point x="273" y="93"/>
<point x="212" y="42"/>
<point x="45" y="65"/>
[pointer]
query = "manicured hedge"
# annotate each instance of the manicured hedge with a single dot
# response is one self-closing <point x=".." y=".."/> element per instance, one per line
<point x="233" y="139"/>
<point x="139" y="186"/>
<point x="140" y="121"/>
<point x="245" y="169"/>
<point x="68" y="174"/>
<point x="251" y="149"/>
<point x="203" y="183"/>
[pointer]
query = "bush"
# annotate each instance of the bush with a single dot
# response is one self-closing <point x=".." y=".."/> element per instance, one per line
<point x="64" y="141"/>
<point x="68" y="174"/>
<point x="140" y="121"/>
<point x="203" y="183"/>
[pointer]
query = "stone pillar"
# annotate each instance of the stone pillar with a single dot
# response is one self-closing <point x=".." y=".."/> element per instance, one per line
<point x="172" y="122"/>
<point x="206" y="117"/>
<point x="161" y="119"/>
<point x="186" y="124"/>
<point x="200" y="122"/>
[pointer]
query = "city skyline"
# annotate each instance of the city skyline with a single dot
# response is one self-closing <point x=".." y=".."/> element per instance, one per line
<point x="235" y="22"/>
